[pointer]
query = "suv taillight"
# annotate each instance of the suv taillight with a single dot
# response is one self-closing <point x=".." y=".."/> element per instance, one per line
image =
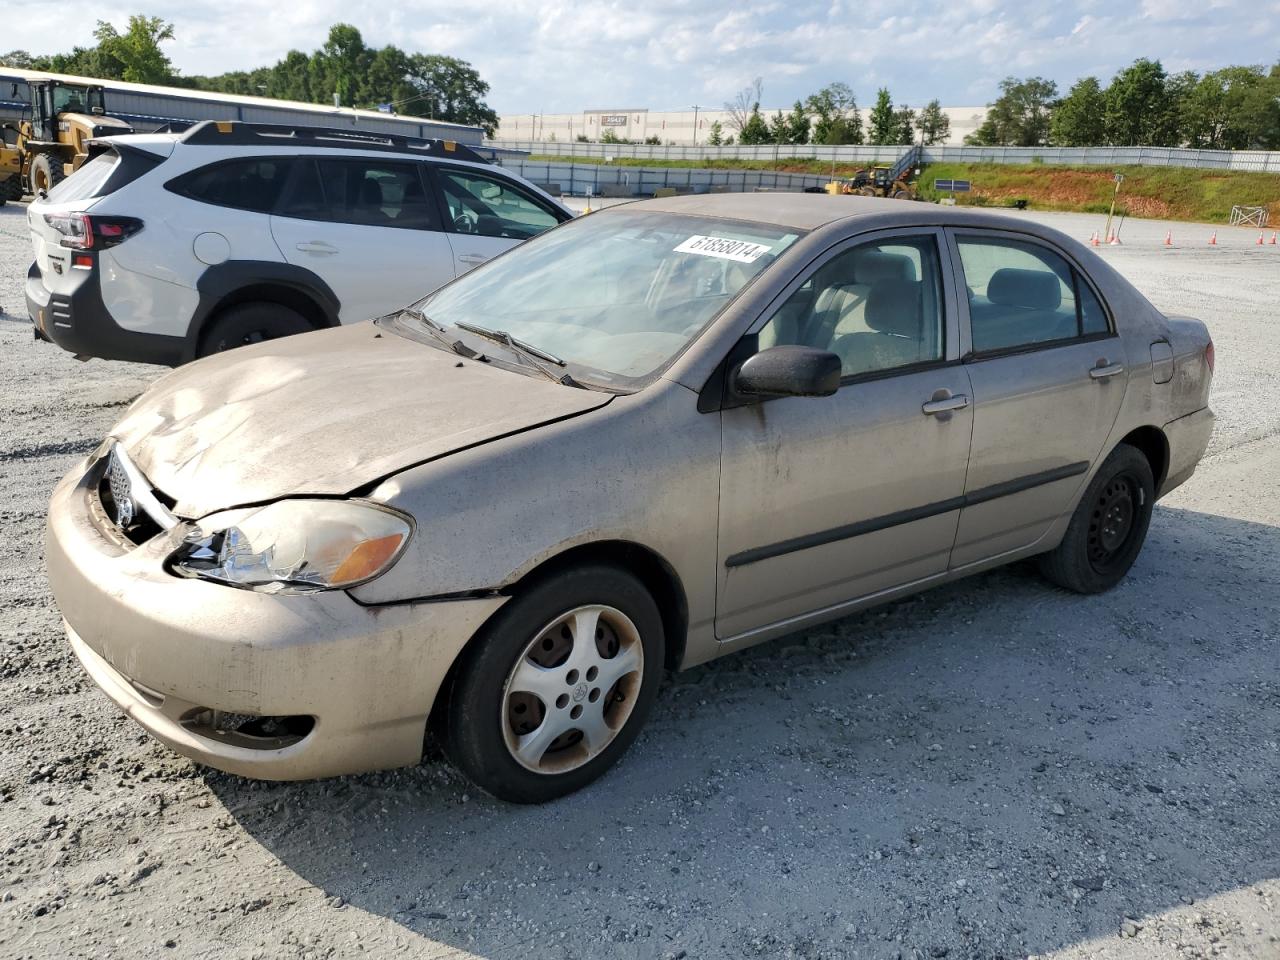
<point x="80" y="231"/>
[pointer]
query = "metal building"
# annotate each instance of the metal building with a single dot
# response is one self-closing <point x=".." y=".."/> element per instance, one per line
<point x="148" y="107"/>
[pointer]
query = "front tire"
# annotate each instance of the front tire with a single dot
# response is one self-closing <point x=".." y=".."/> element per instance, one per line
<point x="250" y="323"/>
<point x="557" y="686"/>
<point x="46" y="173"/>
<point x="1109" y="527"/>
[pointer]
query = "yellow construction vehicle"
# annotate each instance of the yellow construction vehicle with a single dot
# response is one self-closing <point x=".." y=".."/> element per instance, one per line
<point x="54" y="141"/>
<point x="10" y="169"/>
<point x="880" y="182"/>
<point x="874" y="182"/>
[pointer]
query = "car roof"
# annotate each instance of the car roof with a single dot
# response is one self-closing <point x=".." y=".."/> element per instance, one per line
<point x="808" y="211"/>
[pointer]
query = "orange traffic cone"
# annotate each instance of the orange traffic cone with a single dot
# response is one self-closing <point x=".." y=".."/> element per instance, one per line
<point x="1114" y="240"/>
<point x="1260" y="239"/>
<point x="1273" y="238"/>
<point x="1093" y="238"/>
<point x="1213" y="240"/>
<point x="1168" y="239"/>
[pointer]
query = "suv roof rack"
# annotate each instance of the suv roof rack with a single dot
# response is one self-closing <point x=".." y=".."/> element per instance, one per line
<point x="238" y="133"/>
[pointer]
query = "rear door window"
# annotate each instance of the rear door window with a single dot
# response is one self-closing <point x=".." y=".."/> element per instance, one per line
<point x="254" y="183"/>
<point x="368" y="192"/>
<point x="1023" y="294"/>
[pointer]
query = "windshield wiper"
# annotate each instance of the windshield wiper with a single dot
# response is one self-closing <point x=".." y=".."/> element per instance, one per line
<point x="506" y="339"/>
<point x="439" y="332"/>
<point x="528" y="351"/>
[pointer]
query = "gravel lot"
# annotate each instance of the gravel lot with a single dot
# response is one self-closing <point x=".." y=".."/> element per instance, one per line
<point x="992" y="769"/>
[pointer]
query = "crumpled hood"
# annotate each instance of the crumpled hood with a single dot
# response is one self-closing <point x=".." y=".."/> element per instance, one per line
<point x="324" y="413"/>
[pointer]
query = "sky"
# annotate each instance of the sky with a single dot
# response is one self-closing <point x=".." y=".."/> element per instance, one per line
<point x="557" y="56"/>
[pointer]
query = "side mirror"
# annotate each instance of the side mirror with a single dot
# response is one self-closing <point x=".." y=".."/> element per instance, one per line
<point x="789" y="371"/>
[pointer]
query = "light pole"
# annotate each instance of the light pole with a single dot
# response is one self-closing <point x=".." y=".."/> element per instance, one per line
<point x="696" y="108"/>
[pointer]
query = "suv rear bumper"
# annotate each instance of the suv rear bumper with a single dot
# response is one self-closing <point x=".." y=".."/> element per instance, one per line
<point x="75" y="318"/>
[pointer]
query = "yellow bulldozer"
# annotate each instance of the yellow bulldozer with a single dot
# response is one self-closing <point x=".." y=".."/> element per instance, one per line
<point x="53" y="142"/>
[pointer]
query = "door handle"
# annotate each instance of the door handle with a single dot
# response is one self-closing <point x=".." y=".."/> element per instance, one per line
<point x="317" y="246"/>
<point x="1103" y="371"/>
<point x="933" y="407"/>
<point x="472" y="258"/>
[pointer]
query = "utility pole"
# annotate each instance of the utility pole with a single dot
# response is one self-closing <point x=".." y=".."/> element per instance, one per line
<point x="696" y="108"/>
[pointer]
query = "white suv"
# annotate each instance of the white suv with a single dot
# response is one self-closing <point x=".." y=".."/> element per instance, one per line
<point x="168" y="247"/>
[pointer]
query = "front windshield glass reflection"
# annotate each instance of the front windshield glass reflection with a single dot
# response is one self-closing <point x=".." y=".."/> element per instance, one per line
<point x="619" y="294"/>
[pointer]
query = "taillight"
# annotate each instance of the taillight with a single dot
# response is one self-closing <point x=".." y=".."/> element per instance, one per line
<point x="80" y="231"/>
<point x="1208" y="357"/>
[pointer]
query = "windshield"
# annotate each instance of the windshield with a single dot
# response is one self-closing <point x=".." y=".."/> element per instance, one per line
<point x="75" y="99"/>
<point x="617" y="294"/>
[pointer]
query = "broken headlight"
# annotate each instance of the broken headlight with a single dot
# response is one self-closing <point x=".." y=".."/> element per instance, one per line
<point x="295" y="546"/>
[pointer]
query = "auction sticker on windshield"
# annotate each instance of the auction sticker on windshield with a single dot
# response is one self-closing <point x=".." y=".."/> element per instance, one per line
<point x="744" y="251"/>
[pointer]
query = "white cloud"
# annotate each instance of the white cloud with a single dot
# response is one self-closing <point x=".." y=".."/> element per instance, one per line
<point x="565" y="55"/>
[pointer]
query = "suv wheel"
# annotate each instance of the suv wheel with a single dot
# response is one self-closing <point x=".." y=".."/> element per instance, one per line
<point x="557" y="686"/>
<point x="250" y="323"/>
<point x="1109" y="526"/>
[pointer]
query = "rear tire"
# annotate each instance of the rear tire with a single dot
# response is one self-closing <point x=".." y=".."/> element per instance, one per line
<point x="250" y="323"/>
<point x="12" y="189"/>
<point x="534" y="713"/>
<point x="1109" y="527"/>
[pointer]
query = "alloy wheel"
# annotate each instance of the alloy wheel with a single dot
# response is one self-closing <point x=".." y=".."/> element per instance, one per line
<point x="572" y="689"/>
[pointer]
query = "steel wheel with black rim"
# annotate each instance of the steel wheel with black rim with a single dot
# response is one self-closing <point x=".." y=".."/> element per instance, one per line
<point x="1108" y="527"/>
<point x="554" y="690"/>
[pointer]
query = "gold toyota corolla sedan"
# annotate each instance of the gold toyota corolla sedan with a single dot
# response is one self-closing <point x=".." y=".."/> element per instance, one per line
<point x="650" y="437"/>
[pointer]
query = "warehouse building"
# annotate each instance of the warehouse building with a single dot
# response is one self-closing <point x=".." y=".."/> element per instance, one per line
<point x="681" y="127"/>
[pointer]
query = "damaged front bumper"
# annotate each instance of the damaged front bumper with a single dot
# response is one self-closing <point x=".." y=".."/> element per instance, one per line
<point x="273" y="686"/>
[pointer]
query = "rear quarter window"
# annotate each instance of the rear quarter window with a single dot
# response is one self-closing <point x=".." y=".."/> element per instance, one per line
<point x="104" y="174"/>
<point x="253" y="184"/>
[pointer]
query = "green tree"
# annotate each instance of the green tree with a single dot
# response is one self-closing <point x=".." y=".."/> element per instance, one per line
<point x="83" y="62"/>
<point x="798" y="124"/>
<point x="137" y="50"/>
<point x="1078" y="118"/>
<point x="452" y="89"/>
<point x="882" y="118"/>
<point x="1137" y="111"/>
<point x="836" y="116"/>
<point x="1020" y="116"/>
<point x="17" y="58"/>
<point x="715" y="135"/>
<point x="755" y="130"/>
<point x="339" y="67"/>
<point x="933" y="124"/>
<point x="1170" y="131"/>
<point x="779" y="128"/>
<point x="418" y="84"/>
<point x="1235" y="108"/>
<point x="904" y="125"/>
